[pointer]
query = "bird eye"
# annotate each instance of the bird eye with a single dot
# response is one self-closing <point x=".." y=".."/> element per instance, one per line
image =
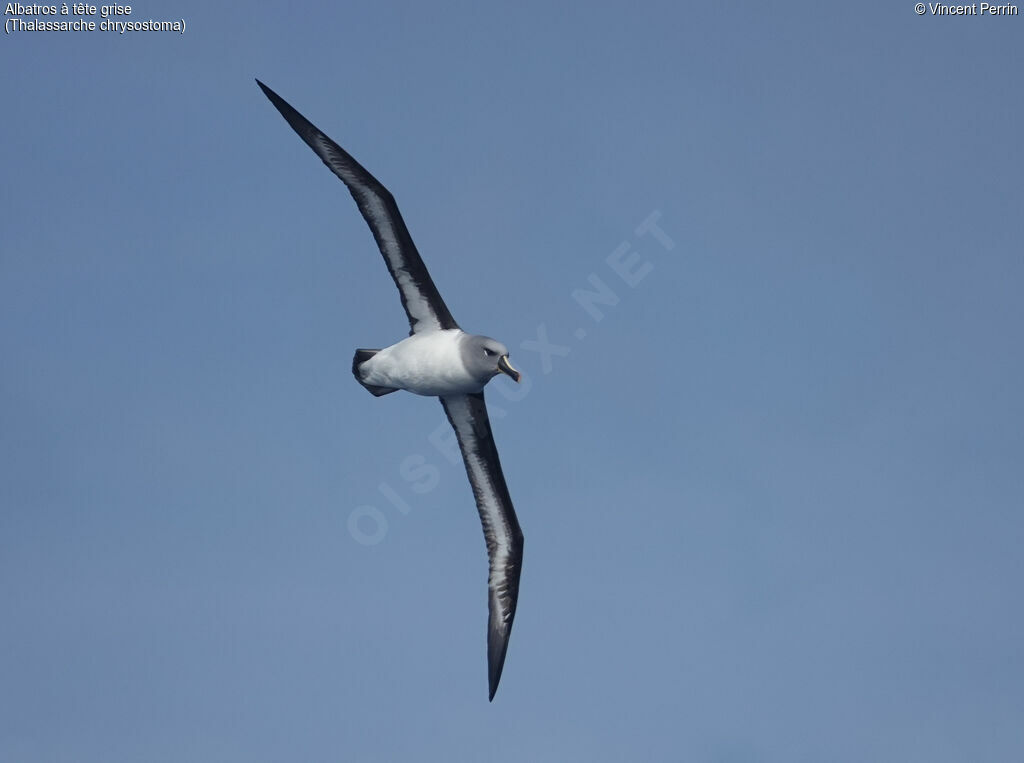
<point x="488" y="352"/>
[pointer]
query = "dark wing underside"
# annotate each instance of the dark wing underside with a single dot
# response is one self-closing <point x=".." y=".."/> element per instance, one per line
<point x="420" y="298"/>
<point x="468" y="416"/>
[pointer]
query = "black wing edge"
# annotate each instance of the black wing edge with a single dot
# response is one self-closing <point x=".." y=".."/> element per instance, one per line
<point x="364" y="188"/>
<point x="503" y="578"/>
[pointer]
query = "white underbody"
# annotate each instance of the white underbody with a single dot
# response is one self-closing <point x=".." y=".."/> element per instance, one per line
<point x="428" y="363"/>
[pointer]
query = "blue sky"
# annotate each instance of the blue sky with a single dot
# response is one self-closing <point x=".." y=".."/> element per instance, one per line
<point x="772" y="500"/>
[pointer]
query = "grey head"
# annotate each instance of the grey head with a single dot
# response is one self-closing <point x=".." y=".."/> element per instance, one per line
<point x="485" y="358"/>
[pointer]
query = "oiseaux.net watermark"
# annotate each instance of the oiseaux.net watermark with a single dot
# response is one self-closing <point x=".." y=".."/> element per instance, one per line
<point x="628" y="264"/>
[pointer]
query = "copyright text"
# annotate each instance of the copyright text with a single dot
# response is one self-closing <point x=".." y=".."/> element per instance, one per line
<point x="974" y="9"/>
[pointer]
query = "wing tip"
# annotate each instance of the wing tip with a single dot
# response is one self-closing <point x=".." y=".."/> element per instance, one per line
<point x="279" y="103"/>
<point x="493" y="680"/>
<point x="497" y="648"/>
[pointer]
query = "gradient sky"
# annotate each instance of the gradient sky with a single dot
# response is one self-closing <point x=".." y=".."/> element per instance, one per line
<point x="773" y="500"/>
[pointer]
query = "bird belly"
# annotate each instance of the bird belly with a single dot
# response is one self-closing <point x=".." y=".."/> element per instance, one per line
<point x="424" y="364"/>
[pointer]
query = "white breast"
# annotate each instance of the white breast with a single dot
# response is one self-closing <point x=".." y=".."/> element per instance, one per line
<point x="427" y="364"/>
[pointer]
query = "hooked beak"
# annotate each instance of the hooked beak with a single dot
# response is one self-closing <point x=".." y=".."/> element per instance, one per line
<point x="506" y="368"/>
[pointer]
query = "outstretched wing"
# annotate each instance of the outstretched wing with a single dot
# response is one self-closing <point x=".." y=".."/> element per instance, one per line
<point x="420" y="298"/>
<point x="468" y="416"/>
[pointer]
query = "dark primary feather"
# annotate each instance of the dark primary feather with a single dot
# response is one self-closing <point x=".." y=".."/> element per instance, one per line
<point x="420" y="298"/>
<point x="468" y="417"/>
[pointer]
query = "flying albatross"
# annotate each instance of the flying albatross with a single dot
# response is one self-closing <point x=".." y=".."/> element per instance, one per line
<point x="437" y="359"/>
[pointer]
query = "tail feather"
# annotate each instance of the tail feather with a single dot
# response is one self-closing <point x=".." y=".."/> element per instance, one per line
<point x="361" y="357"/>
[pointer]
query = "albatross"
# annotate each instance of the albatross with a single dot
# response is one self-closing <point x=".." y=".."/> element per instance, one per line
<point x="437" y="359"/>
